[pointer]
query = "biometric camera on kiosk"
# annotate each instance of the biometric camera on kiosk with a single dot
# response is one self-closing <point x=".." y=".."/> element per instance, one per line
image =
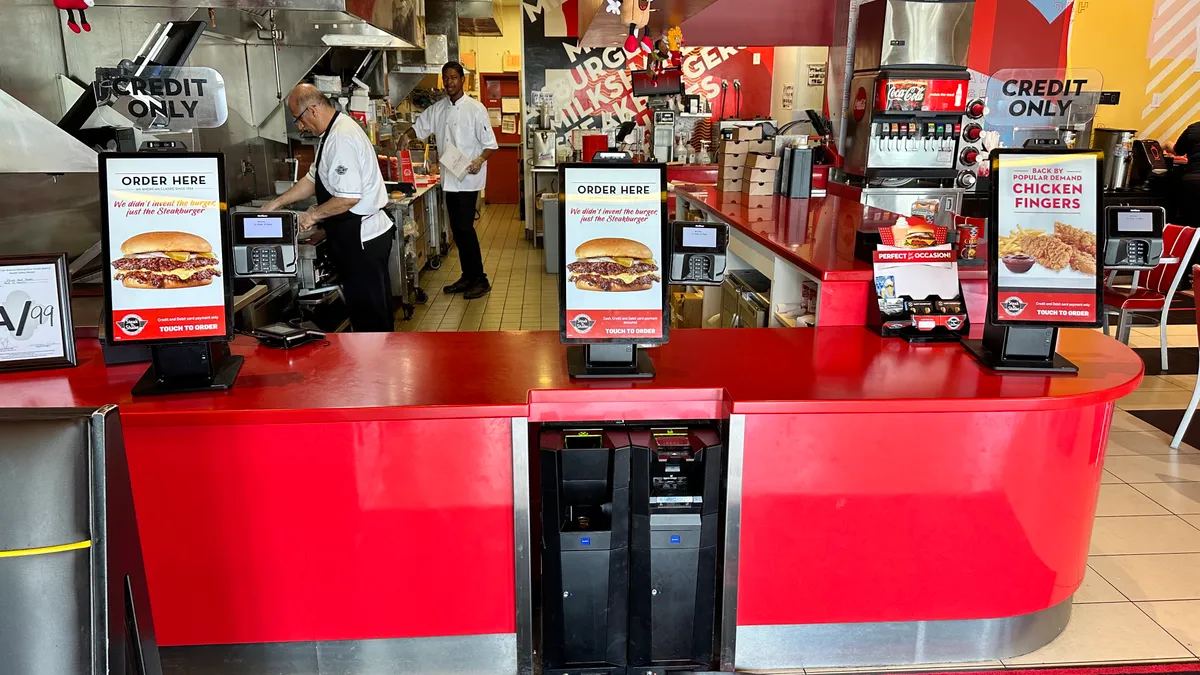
<point x="630" y="541"/>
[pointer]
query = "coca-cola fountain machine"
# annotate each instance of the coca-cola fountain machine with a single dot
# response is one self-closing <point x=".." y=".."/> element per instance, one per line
<point x="913" y="129"/>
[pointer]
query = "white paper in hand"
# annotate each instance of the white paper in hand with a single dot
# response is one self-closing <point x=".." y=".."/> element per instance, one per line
<point x="455" y="162"/>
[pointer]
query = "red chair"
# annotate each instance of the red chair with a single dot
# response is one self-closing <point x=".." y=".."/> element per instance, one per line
<point x="1191" y="409"/>
<point x="1157" y="292"/>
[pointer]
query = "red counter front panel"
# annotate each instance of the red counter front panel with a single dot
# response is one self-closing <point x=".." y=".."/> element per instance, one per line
<point x="326" y="531"/>
<point x="912" y="517"/>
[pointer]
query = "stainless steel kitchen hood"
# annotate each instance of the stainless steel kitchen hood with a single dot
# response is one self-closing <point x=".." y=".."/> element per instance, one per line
<point x="478" y="18"/>
<point x="366" y="24"/>
<point x="31" y="143"/>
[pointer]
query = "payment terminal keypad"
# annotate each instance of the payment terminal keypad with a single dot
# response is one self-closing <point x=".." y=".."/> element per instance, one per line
<point x="266" y="260"/>
<point x="1138" y="252"/>
<point x="699" y="268"/>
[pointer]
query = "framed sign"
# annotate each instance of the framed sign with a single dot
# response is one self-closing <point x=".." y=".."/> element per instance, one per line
<point x="165" y="239"/>
<point x="1046" y="223"/>
<point x="35" y="313"/>
<point x="613" y="247"/>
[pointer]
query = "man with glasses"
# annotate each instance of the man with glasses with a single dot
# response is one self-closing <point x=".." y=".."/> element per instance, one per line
<point x="460" y="122"/>
<point x="348" y="185"/>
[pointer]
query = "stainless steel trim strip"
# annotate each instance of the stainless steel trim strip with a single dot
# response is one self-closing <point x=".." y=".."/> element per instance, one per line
<point x="902" y="643"/>
<point x="522" y="556"/>
<point x="727" y="631"/>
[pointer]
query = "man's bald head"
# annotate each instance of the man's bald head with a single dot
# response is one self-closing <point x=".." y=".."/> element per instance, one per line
<point x="311" y="110"/>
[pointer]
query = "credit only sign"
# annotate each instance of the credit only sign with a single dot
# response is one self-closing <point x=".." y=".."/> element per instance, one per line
<point x="170" y="99"/>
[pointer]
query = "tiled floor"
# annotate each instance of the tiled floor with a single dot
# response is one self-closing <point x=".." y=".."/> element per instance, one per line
<point x="523" y="296"/>
<point x="1140" y="600"/>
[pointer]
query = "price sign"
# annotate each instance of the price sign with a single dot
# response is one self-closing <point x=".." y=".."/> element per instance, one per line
<point x="35" y="313"/>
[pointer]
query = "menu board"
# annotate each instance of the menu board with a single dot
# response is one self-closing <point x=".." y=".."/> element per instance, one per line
<point x="613" y="247"/>
<point x="165" y="247"/>
<point x="1047" y="225"/>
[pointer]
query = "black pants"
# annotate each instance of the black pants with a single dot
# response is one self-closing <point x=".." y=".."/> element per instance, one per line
<point x="367" y="282"/>
<point x="461" y="208"/>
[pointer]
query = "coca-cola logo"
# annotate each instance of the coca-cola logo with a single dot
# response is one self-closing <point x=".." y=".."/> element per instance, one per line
<point x="860" y="104"/>
<point x="906" y="93"/>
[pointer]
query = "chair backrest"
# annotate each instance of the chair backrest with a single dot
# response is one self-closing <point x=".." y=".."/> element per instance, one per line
<point x="1179" y="242"/>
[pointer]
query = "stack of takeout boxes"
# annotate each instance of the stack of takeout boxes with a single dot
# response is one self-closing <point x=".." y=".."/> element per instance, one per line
<point x="747" y="166"/>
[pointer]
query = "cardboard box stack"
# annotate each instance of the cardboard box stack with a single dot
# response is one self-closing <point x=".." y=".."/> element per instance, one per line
<point x="748" y="166"/>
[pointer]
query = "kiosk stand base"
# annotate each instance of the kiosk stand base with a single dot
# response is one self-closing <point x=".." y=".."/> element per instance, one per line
<point x="1019" y="349"/>
<point x="189" y="367"/>
<point x="608" y="362"/>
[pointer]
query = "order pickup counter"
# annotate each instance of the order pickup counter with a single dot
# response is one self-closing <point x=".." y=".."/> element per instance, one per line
<point x="887" y="503"/>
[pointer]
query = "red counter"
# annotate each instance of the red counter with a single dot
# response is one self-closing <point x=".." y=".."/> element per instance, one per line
<point x="376" y="487"/>
<point x="817" y="236"/>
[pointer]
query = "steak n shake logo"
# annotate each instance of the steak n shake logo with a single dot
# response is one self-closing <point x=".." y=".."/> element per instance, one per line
<point x="1014" y="305"/>
<point x="131" y="324"/>
<point x="582" y="323"/>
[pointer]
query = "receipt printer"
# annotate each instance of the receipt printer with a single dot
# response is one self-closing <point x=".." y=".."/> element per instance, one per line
<point x="1135" y="236"/>
<point x="698" y="253"/>
<point x="264" y="244"/>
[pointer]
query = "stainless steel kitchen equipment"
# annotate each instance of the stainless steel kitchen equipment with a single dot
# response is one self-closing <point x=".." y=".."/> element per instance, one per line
<point x="662" y="135"/>
<point x="923" y="33"/>
<point x="1117" y="145"/>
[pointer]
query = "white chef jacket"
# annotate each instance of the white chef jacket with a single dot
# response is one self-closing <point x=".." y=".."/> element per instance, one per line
<point x="349" y="168"/>
<point x="466" y="126"/>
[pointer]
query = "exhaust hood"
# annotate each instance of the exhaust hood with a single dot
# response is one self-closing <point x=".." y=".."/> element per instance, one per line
<point x="33" y="144"/>
<point x="365" y="24"/>
<point x="478" y="18"/>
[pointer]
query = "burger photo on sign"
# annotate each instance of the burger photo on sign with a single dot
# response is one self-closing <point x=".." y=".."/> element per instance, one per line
<point x="613" y="265"/>
<point x="166" y="260"/>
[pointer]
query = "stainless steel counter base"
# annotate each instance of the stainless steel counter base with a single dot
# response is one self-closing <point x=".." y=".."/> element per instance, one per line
<point x="788" y="647"/>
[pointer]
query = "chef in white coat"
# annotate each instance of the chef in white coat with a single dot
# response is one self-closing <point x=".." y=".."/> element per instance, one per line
<point x="463" y="131"/>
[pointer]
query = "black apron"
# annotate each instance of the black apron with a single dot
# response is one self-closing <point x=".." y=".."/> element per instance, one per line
<point x="364" y="277"/>
<point x="343" y="231"/>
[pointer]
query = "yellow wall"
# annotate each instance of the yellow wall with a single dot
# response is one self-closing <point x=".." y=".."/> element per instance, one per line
<point x="1143" y="48"/>
<point x="489" y="51"/>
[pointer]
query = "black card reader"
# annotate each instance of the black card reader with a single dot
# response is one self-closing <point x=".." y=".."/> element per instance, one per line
<point x="1134" y="236"/>
<point x="698" y="253"/>
<point x="264" y="244"/>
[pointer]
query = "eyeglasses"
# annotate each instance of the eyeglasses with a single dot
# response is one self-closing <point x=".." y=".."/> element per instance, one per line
<point x="296" y="119"/>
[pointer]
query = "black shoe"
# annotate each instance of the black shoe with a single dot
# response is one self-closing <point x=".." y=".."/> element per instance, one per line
<point x="457" y="287"/>
<point x="478" y="289"/>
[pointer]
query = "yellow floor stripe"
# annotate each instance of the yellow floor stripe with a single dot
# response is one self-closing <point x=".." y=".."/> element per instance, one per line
<point x="20" y="553"/>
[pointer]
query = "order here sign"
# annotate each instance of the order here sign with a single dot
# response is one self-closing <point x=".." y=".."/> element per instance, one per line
<point x="612" y="250"/>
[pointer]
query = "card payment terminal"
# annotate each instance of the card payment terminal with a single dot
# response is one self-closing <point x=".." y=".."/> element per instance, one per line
<point x="698" y="253"/>
<point x="1135" y="236"/>
<point x="264" y="244"/>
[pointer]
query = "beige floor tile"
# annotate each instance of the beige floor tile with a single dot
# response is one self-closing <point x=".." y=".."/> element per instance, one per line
<point x="1187" y="382"/>
<point x="1180" y="619"/>
<point x="1142" y="340"/>
<point x="1126" y="535"/>
<point x="1123" y="500"/>
<point x="1174" y="399"/>
<point x="1107" y="632"/>
<point x="1123" y="421"/>
<point x="1107" y="478"/>
<point x="1158" y="383"/>
<point x="1122" y="443"/>
<point x="1173" y="576"/>
<point x="1179" y="498"/>
<point x="1194" y="520"/>
<point x="1096" y="589"/>
<point x="1183" y="466"/>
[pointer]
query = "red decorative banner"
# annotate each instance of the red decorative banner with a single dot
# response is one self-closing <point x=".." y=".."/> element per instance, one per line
<point x="916" y="256"/>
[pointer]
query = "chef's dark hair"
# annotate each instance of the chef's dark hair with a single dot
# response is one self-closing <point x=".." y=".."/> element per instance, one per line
<point x="454" y="65"/>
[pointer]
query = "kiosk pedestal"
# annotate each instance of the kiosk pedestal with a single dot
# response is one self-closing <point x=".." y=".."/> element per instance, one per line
<point x="602" y="361"/>
<point x="189" y="367"/>
<point x="1020" y="348"/>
